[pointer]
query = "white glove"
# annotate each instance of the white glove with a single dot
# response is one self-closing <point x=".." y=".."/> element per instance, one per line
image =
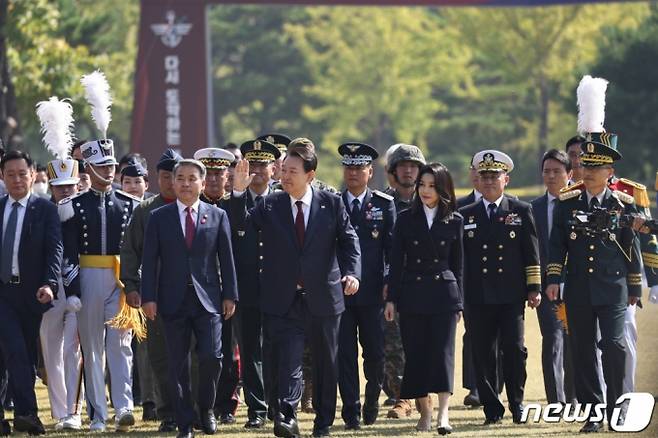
<point x="73" y="304"/>
<point x="653" y="294"/>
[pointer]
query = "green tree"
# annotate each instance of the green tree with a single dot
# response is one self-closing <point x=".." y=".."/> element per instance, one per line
<point x="257" y="73"/>
<point x="629" y="60"/>
<point x="52" y="44"/>
<point x="533" y="57"/>
<point x="376" y="71"/>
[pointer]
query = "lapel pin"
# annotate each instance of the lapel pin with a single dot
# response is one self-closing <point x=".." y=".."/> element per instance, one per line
<point x="573" y="236"/>
<point x="471" y="234"/>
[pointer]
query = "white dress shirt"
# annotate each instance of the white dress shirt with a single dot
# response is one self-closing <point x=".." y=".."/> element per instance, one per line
<point x="351" y="198"/>
<point x="476" y="195"/>
<point x="430" y="214"/>
<point x="264" y="194"/>
<point x="306" y="205"/>
<point x="599" y="197"/>
<point x="182" y="214"/>
<point x="19" y="228"/>
<point x="497" y="202"/>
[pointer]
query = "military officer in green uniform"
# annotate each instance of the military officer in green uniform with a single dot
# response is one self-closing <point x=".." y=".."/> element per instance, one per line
<point x="602" y="274"/>
<point x="131" y="262"/>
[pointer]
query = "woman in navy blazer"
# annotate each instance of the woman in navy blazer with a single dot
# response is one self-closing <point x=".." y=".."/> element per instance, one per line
<point x="426" y="287"/>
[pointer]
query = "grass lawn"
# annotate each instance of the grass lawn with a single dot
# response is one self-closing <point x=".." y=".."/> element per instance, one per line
<point x="466" y="422"/>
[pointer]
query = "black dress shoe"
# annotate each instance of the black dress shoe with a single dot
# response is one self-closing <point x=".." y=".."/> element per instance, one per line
<point x="5" y="428"/>
<point x="286" y="427"/>
<point x="370" y="414"/>
<point x="492" y="420"/>
<point x="227" y="418"/>
<point x="148" y="412"/>
<point x="167" y="425"/>
<point x="208" y="422"/>
<point x="352" y="425"/>
<point x="186" y="432"/>
<point x="320" y="432"/>
<point x="472" y="399"/>
<point x="29" y="423"/>
<point x="390" y="401"/>
<point x="517" y="413"/>
<point x="445" y="430"/>
<point x="255" y="423"/>
<point x="592" y="427"/>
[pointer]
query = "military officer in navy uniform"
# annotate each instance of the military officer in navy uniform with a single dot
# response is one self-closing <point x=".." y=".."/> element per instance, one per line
<point x="372" y="214"/>
<point x="501" y="273"/>
<point x="93" y="224"/>
<point x="247" y="244"/>
<point x="602" y="275"/>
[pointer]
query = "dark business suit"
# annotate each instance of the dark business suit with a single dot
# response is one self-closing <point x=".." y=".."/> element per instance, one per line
<point x="39" y="259"/>
<point x="373" y="224"/>
<point x="330" y="251"/>
<point x="501" y="266"/>
<point x="555" y="352"/>
<point x="189" y="289"/>
<point x="425" y="283"/>
<point x="248" y="317"/>
<point x="598" y="279"/>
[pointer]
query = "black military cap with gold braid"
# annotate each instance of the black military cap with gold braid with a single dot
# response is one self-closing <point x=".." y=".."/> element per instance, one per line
<point x="261" y="151"/>
<point x="599" y="149"/>
<point x="279" y="140"/>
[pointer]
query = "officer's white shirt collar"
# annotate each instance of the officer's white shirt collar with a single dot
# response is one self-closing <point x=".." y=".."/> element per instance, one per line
<point x="430" y="214"/>
<point x="254" y="194"/>
<point x="351" y="197"/>
<point x="600" y="197"/>
<point x="476" y="195"/>
<point x="497" y="202"/>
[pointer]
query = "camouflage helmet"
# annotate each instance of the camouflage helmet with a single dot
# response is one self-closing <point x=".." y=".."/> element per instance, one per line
<point x="404" y="152"/>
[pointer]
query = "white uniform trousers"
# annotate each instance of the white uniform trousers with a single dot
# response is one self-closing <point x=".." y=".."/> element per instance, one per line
<point x="62" y="358"/>
<point x="630" y="333"/>
<point x="100" y="303"/>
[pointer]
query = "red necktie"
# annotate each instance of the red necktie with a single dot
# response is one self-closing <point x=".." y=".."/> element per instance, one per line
<point x="299" y="230"/>
<point x="299" y="223"/>
<point x="190" y="229"/>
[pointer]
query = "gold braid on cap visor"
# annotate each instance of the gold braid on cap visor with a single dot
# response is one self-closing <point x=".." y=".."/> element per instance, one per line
<point x="263" y="156"/>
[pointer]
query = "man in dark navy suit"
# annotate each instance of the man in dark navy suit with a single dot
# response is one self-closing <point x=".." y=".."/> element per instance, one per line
<point x="30" y="264"/>
<point x="186" y="242"/>
<point x="311" y="258"/>
<point x="372" y="214"/>
<point x="555" y="357"/>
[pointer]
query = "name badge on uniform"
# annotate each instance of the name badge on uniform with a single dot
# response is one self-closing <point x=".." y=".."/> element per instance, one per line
<point x="470" y="226"/>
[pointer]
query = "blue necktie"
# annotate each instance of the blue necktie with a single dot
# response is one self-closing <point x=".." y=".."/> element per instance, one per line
<point x="8" y="244"/>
